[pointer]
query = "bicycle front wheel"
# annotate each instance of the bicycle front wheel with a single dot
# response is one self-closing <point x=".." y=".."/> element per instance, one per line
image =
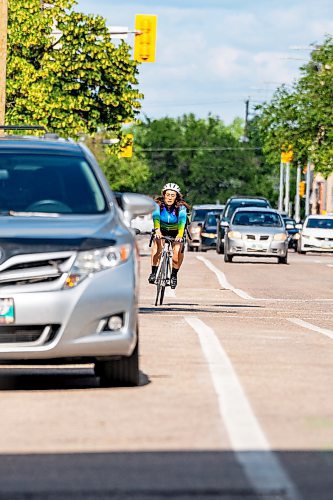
<point x="161" y="282"/>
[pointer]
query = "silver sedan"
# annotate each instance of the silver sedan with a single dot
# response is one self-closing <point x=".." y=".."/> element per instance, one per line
<point x="256" y="232"/>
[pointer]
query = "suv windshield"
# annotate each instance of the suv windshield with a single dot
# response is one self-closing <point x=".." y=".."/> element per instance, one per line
<point x="230" y="209"/>
<point x="49" y="184"/>
<point x="199" y="215"/>
<point x="257" y="219"/>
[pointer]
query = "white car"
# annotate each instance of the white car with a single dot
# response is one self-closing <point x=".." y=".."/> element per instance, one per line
<point x="316" y="234"/>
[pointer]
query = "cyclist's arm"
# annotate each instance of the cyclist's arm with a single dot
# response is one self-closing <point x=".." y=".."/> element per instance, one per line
<point x="182" y="215"/>
<point x="157" y="220"/>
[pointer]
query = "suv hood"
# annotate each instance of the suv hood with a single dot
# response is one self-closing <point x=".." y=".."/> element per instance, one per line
<point x="22" y="235"/>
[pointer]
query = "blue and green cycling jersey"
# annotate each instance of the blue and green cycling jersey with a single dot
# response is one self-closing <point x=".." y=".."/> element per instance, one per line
<point x="168" y="220"/>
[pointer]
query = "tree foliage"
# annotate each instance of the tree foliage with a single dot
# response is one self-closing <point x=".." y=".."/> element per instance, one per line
<point x="76" y="84"/>
<point x="203" y="156"/>
<point x="303" y="115"/>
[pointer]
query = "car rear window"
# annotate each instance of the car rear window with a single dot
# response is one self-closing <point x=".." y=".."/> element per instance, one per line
<point x="49" y="183"/>
<point x="267" y="219"/>
<point x="320" y="223"/>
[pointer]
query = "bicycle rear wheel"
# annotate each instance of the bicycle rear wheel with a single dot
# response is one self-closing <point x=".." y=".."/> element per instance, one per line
<point x="161" y="282"/>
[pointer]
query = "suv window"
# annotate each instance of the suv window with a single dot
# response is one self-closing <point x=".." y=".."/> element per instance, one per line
<point x="31" y="182"/>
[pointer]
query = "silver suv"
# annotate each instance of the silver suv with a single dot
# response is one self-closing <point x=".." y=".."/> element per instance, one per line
<point x="68" y="261"/>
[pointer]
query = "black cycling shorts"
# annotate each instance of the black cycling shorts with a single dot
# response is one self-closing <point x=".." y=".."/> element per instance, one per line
<point x="171" y="234"/>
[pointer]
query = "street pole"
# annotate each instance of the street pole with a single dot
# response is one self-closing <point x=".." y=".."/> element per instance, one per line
<point x="3" y="59"/>
<point x="286" y="199"/>
<point x="281" y="187"/>
<point x="307" y="192"/>
<point x="298" y="199"/>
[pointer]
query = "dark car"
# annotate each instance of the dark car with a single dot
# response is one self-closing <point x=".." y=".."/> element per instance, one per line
<point x="198" y="215"/>
<point x="209" y="231"/>
<point x="292" y="231"/>
<point x="231" y="205"/>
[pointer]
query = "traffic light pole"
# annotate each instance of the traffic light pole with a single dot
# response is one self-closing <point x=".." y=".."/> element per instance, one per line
<point x="281" y="187"/>
<point x="3" y="59"/>
<point x="287" y="195"/>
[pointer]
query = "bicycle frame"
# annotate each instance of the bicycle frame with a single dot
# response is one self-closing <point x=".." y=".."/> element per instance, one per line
<point x="163" y="275"/>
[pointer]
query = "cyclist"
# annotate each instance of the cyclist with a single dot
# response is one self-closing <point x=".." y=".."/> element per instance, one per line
<point x="169" y="219"/>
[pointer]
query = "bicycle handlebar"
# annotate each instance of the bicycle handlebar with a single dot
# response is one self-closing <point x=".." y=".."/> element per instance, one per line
<point x="170" y="239"/>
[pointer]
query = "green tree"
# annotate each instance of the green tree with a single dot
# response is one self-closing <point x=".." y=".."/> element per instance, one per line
<point x="76" y="84"/>
<point x="302" y="116"/>
<point x="203" y="156"/>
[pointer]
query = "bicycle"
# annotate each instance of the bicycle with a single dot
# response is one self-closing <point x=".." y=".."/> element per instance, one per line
<point x="163" y="275"/>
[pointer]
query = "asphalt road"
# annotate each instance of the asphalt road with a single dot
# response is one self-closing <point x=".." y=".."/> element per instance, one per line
<point x="235" y="399"/>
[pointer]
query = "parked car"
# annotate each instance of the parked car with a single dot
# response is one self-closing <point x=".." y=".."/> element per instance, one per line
<point x="209" y="230"/>
<point x="198" y="215"/>
<point x="68" y="261"/>
<point x="292" y="230"/>
<point x="316" y="234"/>
<point x="256" y="232"/>
<point x="232" y="204"/>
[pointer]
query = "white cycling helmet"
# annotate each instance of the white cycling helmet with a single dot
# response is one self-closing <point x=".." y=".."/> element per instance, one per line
<point x="172" y="186"/>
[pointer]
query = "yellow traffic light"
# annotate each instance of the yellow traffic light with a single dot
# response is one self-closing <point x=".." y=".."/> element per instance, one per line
<point x="127" y="151"/>
<point x="145" y="38"/>
<point x="287" y="156"/>
<point x="302" y="188"/>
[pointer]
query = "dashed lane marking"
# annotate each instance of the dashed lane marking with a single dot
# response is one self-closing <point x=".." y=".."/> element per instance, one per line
<point x="248" y="441"/>
<point x="223" y="280"/>
<point x="310" y="326"/>
<point x="227" y="286"/>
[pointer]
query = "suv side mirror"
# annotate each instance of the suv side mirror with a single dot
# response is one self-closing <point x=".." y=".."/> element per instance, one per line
<point x="136" y="204"/>
<point x="200" y="224"/>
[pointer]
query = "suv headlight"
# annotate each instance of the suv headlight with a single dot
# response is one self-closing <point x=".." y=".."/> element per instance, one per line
<point x="93" y="261"/>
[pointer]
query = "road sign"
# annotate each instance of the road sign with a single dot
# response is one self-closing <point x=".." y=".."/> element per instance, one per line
<point x="145" y="38"/>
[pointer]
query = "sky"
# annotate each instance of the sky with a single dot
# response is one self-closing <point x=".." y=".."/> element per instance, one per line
<point x="214" y="55"/>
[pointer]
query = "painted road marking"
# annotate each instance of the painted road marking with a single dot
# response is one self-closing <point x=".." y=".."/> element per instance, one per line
<point x="248" y="441"/>
<point x="169" y="292"/>
<point x="243" y="295"/>
<point x="223" y="280"/>
<point x="310" y="326"/>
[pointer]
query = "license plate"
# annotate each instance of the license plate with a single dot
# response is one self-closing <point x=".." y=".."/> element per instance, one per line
<point x="6" y="311"/>
<point x="256" y="247"/>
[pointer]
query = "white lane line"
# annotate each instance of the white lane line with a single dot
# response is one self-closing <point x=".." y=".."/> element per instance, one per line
<point x="227" y="286"/>
<point x="169" y="292"/>
<point x="310" y="326"/>
<point x="223" y="280"/>
<point x="248" y="441"/>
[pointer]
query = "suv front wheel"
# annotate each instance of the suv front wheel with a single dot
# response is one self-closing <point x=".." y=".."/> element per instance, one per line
<point x="120" y="371"/>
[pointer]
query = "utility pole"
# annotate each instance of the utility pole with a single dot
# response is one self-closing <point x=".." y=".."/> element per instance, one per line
<point x="298" y="195"/>
<point x="3" y="59"/>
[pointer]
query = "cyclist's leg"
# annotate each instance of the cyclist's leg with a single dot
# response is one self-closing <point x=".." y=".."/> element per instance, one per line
<point x="177" y="260"/>
<point x="155" y="259"/>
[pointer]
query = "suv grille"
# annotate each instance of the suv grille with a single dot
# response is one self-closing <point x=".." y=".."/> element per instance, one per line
<point x="35" y="268"/>
<point x="15" y="334"/>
